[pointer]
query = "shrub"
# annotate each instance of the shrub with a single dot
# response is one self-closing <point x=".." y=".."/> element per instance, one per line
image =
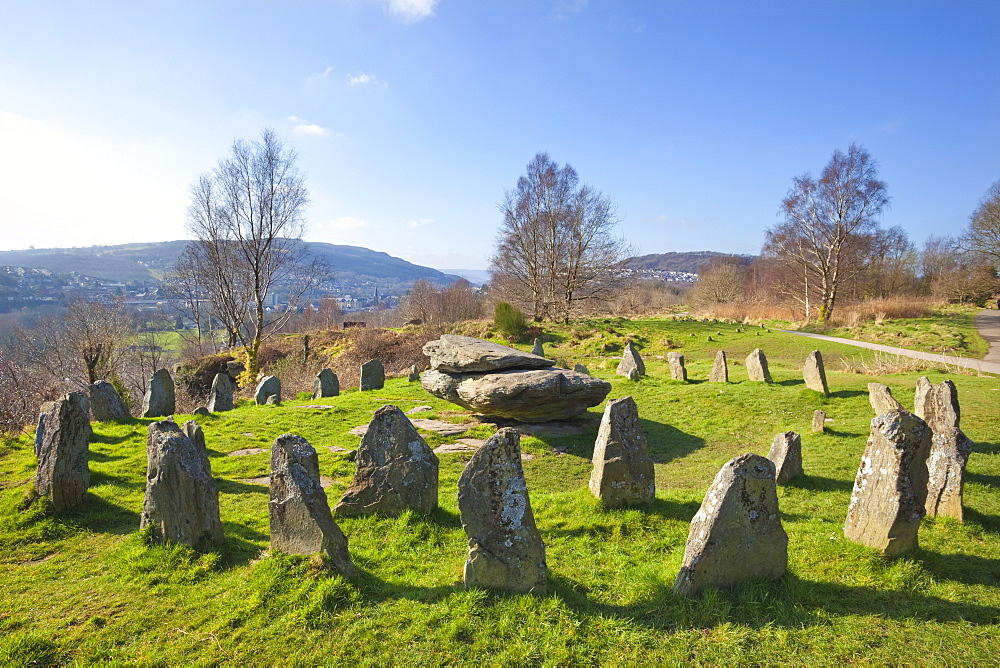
<point x="509" y="321"/>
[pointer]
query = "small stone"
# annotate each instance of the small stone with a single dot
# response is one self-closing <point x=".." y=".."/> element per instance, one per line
<point x="720" y="370"/>
<point x="396" y="470"/>
<point x="634" y="375"/>
<point x="881" y="399"/>
<point x="268" y="387"/>
<point x="414" y="375"/>
<point x="419" y="409"/>
<point x="372" y="376"/>
<point x="505" y="549"/>
<point x="246" y="451"/>
<point x="300" y="517"/>
<point x="105" y="403"/>
<point x="757" y="367"/>
<point x="181" y="502"/>
<point x="814" y="374"/>
<point x="159" y="399"/>
<point x="220" y="397"/>
<point x="326" y="384"/>
<point x="61" y="444"/>
<point x="677" y="370"/>
<point x="537" y="348"/>
<point x="201" y="410"/>
<point x="890" y="490"/>
<point x="581" y="368"/>
<point x="623" y="471"/>
<point x="737" y="532"/>
<point x="631" y="361"/>
<point x="786" y="454"/>
<point x="819" y="422"/>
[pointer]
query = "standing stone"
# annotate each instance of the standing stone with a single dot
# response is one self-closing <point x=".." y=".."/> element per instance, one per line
<point x="159" y="399"/>
<point x="193" y="430"/>
<point x="881" y="399"/>
<point x="819" y="422"/>
<point x="634" y="375"/>
<point x="677" y="370"/>
<point x="720" y="370"/>
<point x="623" y="472"/>
<point x="268" y="391"/>
<point x="505" y="549"/>
<point x="201" y="410"/>
<point x="234" y="369"/>
<point x="814" y="374"/>
<point x="396" y="470"/>
<point x="181" y="503"/>
<point x="372" y="375"/>
<point x="786" y="453"/>
<point x="106" y="404"/>
<point x="581" y="368"/>
<point x="950" y="448"/>
<point x="301" y="521"/>
<point x="737" y="532"/>
<point x="923" y="398"/>
<point x="414" y="375"/>
<point x="890" y="489"/>
<point x="757" y="366"/>
<point x="326" y="384"/>
<point x="61" y="445"/>
<point x="631" y="361"/>
<point x="537" y="348"/>
<point x="220" y="397"/>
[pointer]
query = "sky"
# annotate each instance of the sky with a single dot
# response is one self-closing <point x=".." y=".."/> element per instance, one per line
<point x="411" y="118"/>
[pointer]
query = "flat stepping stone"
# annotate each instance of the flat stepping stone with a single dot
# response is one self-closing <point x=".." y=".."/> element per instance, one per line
<point x="249" y="435"/>
<point x="336" y="449"/>
<point x="315" y="406"/>
<point x="419" y="409"/>
<point x="359" y="431"/>
<point x="455" y="447"/>
<point x="246" y="451"/>
<point x="437" y="426"/>
<point x="527" y="457"/>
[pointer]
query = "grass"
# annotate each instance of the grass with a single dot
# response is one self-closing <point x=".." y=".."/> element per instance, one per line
<point x="87" y="587"/>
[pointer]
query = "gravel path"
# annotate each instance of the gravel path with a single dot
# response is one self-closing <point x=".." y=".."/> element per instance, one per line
<point x="987" y="322"/>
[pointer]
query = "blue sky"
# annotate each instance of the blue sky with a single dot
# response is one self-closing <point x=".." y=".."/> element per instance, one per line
<point x="411" y="117"/>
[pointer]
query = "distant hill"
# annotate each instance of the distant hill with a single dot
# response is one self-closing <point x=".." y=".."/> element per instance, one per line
<point x="686" y="262"/>
<point x="354" y="268"/>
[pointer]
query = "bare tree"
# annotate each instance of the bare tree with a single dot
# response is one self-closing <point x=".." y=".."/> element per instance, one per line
<point x="826" y="223"/>
<point x="556" y="246"/>
<point x="720" y="281"/>
<point x="247" y="218"/>
<point x="983" y="233"/>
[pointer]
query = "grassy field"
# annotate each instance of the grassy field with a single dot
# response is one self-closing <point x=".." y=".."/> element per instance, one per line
<point x="86" y="587"/>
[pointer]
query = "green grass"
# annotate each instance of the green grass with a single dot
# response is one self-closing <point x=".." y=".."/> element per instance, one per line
<point x="87" y="587"/>
<point x="950" y="330"/>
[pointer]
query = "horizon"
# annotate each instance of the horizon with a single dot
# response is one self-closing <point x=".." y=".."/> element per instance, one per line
<point x="412" y="117"/>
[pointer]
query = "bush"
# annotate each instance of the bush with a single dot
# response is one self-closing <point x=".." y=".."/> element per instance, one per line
<point x="509" y="321"/>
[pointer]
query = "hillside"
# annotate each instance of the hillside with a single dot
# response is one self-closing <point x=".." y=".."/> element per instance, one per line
<point x="353" y="266"/>
<point x="684" y="262"/>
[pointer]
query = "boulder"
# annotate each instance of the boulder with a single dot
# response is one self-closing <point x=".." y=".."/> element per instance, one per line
<point x="881" y="399"/>
<point x="464" y="354"/>
<point x="61" y="444"/>
<point x="326" y="384"/>
<point x="159" y="399"/>
<point x="720" y="370"/>
<point x="106" y="404"/>
<point x="786" y="454"/>
<point x="819" y="422"/>
<point x="950" y="448"/>
<point x="181" y="504"/>
<point x="220" y="397"/>
<point x="529" y="395"/>
<point x="372" y="375"/>
<point x="737" y="532"/>
<point x="301" y="521"/>
<point x="505" y="549"/>
<point x="757" y="366"/>
<point x="677" y="370"/>
<point x="268" y="391"/>
<point x="815" y="374"/>
<point x="631" y="361"/>
<point x="396" y="470"/>
<point x="623" y="472"/>
<point x="537" y="348"/>
<point x="890" y="490"/>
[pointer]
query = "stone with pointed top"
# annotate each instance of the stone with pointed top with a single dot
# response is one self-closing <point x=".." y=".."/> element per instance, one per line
<point x="268" y="391"/>
<point x="194" y="431"/>
<point x="326" y="384"/>
<point x="159" y="399"/>
<point x="786" y="453"/>
<point x="815" y="374"/>
<point x="220" y="397"/>
<point x="720" y="370"/>
<point x="537" y="348"/>
<point x="631" y="361"/>
<point x="757" y="366"/>
<point x="890" y="490"/>
<point x="581" y="368"/>
<point x="300" y="517"/>
<point x="737" y="532"/>
<point x="623" y="471"/>
<point x="61" y="444"/>
<point x="881" y="399"/>
<point x="950" y="448"/>
<point x="396" y="470"/>
<point x="505" y="548"/>
<point x="106" y="404"/>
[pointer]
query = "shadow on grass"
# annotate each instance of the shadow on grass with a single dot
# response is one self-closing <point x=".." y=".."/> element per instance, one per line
<point x="815" y="483"/>
<point x="982" y="479"/>
<point x="966" y="568"/>
<point x="110" y="440"/>
<point x="226" y="486"/>
<point x="791" y="382"/>
<point x="988" y="522"/>
<point x="95" y="456"/>
<point x="666" y="442"/>
<point x="847" y="394"/>
<point x="844" y="434"/>
<point x="987" y="448"/>
<point x="99" y="478"/>
<point x="101" y="516"/>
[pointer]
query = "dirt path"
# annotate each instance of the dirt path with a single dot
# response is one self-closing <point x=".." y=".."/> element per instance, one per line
<point x="987" y="322"/>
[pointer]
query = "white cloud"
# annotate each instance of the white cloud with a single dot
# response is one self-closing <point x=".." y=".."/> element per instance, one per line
<point x="311" y="129"/>
<point x="566" y="8"/>
<point x="345" y="223"/>
<point x="420" y="222"/>
<point x="363" y="79"/>
<point x="325" y="75"/>
<point x="411" y="11"/>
